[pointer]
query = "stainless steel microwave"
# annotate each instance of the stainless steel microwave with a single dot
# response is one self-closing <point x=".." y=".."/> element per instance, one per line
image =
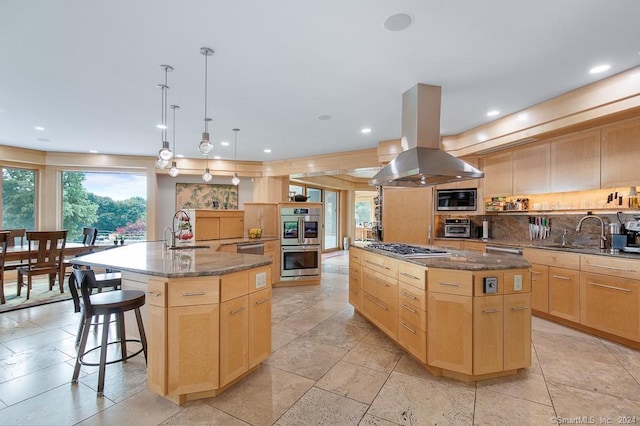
<point x="457" y="199"/>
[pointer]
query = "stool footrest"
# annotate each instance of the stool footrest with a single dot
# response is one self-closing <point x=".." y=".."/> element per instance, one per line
<point x="117" y="342"/>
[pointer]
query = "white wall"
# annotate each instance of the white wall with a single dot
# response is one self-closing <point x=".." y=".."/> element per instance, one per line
<point x="166" y="200"/>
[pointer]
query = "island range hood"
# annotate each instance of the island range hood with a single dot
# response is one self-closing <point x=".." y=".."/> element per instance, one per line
<point x="422" y="162"/>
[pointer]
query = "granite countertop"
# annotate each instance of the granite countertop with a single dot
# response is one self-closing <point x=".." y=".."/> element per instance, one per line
<point x="151" y="258"/>
<point x="461" y="260"/>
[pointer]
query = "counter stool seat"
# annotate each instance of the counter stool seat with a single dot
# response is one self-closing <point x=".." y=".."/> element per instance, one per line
<point x="104" y="305"/>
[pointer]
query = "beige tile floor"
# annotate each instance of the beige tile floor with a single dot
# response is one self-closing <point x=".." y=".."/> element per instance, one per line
<point x="329" y="367"/>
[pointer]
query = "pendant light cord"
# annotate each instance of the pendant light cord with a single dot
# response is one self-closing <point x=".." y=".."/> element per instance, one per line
<point x="206" y="122"/>
<point x="235" y="154"/>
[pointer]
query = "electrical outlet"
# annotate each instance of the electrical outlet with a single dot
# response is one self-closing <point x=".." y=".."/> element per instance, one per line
<point x="261" y="279"/>
<point x="517" y="283"/>
<point x="490" y="284"/>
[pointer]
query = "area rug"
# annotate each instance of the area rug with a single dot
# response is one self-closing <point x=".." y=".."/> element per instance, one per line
<point x="40" y="295"/>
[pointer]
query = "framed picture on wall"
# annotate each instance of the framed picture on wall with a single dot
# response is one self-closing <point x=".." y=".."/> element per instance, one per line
<point x="206" y="196"/>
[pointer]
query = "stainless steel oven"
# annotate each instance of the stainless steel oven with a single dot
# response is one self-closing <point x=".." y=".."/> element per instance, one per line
<point x="300" y="261"/>
<point x="300" y="226"/>
<point x="457" y="228"/>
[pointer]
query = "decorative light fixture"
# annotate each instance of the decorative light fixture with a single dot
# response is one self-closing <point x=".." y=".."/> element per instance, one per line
<point x="206" y="176"/>
<point x="235" y="179"/>
<point x="174" y="170"/>
<point x="165" y="153"/>
<point x="205" y="146"/>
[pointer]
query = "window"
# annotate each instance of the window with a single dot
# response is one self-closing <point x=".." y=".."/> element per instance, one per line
<point x="18" y="198"/>
<point x="364" y="213"/>
<point x="115" y="203"/>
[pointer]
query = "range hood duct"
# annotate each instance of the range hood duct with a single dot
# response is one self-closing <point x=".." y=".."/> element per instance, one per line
<point x="422" y="163"/>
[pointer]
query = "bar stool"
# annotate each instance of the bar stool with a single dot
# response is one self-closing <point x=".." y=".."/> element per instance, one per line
<point x="105" y="304"/>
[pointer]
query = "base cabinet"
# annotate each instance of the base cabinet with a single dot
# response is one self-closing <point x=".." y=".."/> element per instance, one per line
<point x="564" y="293"/>
<point x="234" y="339"/>
<point x="488" y="334"/>
<point x="450" y="332"/>
<point x="259" y="326"/>
<point x="540" y="288"/>
<point x="517" y="331"/>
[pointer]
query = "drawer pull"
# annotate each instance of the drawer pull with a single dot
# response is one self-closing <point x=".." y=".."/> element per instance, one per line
<point x="377" y="281"/>
<point x="404" y="274"/>
<point x="490" y="311"/>
<point x="535" y="272"/>
<point x="240" y="309"/>
<point x="519" y="308"/>
<point x="595" y="265"/>
<point x="410" y="296"/>
<point x="560" y="277"/>
<point x="379" y="305"/>
<point x="626" y="290"/>
<point x="413" y="311"/>
<point x="408" y="328"/>
<point x="450" y="284"/>
<point x="193" y="293"/>
<point x="265" y="300"/>
<point x="377" y="264"/>
<point x="154" y="293"/>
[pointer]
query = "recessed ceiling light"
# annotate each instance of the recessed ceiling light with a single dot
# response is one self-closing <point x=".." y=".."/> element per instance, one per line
<point x="224" y="143"/>
<point x="398" y="22"/>
<point x="324" y="117"/>
<point x="180" y="155"/>
<point x="599" y="69"/>
<point x="43" y="140"/>
<point x="493" y="113"/>
<point x="365" y="130"/>
<point x="39" y="128"/>
<point x="161" y="126"/>
<point x="93" y="151"/>
<point x="267" y="150"/>
<point x="216" y="157"/>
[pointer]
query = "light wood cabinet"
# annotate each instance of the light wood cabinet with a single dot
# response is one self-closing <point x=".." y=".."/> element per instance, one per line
<point x="261" y="215"/>
<point x="406" y="214"/>
<point x="531" y="174"/>
<point x="218" y="224"/>
<point x="234" y="342"/>
<point x="620" y="155"/>
<point x="383" y="315"/>
<point x="540" y="288"/>
<point x="156" y="329"/>
<point x="472" y="183"/>
<point x="454" y="244"/>
<point x="477" y="246"/>
<point x="412" y="306"/>
<point x="488" y="334"/>
<point x="450" y="331"/>
<point x="259" y="326"/>
<point x="575" y="162"/>
<point x="355" y="278"/>
<point x="498" y="174"/>
<point x="517" y="330"/>
<point x="272" y="249"/>
<point x="564" y="293"/>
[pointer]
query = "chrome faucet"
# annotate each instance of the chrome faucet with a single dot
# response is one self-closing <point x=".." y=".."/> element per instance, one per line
<point x="171" y="241"/>
<point x="603" y="239"/>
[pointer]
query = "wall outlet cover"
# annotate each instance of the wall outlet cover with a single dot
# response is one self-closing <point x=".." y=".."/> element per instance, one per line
<point x="261" y="279"/>
<point x="517" y="283"/>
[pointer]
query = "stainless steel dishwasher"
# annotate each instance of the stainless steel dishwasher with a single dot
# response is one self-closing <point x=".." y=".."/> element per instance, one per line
<point x="250" y="248"/>
<point x="503" y="250"/>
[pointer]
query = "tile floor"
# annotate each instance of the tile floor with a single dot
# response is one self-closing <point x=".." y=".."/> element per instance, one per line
<point x="329" y="367"/>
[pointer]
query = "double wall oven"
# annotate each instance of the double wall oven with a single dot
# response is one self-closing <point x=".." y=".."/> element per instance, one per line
<point x="301" y="242"/>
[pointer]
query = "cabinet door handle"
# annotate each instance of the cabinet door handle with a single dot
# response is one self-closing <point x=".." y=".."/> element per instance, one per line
<point x="450" y="284"/>
<point x="378" y="304"/>
<point x="413" y="311"/>
<point x="377" y="281"/>
<point x="626" y="290"/>
<point x="535" y="272"/>
<point x="410" y="296"/>
<point x="193" y="293"/>
<point x="490" y="311"/>
<point x="377" y="264"/>
<point x="560" y="277"/>
<point x="404" y="274"/>
<point x="240" y="309"/>
<point x="260" y="302"/>
<point x="519" y="308"/>
<point x="595" y="265"/>
<point x="407" y="327"/>
<point x="154" y="293"/>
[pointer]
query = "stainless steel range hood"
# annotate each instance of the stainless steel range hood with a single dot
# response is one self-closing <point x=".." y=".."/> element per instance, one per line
<point x="422" y="163"/>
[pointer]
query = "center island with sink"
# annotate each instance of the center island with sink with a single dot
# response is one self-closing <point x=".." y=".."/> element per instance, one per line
<point x="207" y="315"/>
<point x="460" y="314"/>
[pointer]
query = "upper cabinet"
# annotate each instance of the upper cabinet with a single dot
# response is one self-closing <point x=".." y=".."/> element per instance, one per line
<point x="497" y="174"/>
<point x="406" y="216"/>
<point x="531" y="169"/>
<point x="575" y="162"/>
<point x="620" y="156"/>
<point x="473" y="183"/>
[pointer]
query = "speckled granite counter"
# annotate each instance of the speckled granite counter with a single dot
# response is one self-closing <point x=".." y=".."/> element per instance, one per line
<point x="461" y="260"/>
<point x="150" y="258"/>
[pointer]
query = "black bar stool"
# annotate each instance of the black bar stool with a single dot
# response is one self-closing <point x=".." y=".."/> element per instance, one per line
<point x="105" y="304"/>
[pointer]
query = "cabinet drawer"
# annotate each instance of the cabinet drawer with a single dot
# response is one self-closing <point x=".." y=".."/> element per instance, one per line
<point x="413" y="339"/>
<point x="194" y="292"/>
<point x="412" y="275"/>
<point x="380" y="286"/>
<point x="355" y="297"/>
<point x="450" y="281"/>
<point x="354" y="268"/>
<point x="625" y="268"/>
<point x="157" y="292"/>
<point x="413" y="296"/>
<point x="381" y="314"/>
<point x="234" y="285"/>
<point x="382" y="264"/>
<point x="355" y="255"/>
<point x="553" y="258"/>
<point x="416" y="316"/>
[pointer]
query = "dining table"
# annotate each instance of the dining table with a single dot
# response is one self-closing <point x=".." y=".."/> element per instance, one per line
<point x="21" y="252"/>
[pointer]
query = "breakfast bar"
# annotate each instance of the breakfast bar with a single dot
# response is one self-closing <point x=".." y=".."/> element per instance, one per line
<point x="207" y="316"/>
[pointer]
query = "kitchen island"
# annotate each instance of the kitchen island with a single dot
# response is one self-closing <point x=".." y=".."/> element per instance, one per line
<point x="207" y="314"/>
<point x="464" y="315"/>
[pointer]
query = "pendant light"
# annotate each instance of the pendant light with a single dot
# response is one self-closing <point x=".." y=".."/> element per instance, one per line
<point x="206" y="176"/>
<point x="165" y="154"/>
<point x="174" y="171"/>
<point x="205" y="146"/>
<point x="235" y="179"/>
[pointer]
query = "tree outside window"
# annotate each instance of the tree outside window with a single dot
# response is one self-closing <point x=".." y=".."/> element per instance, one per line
<point x="18" y="198"/>
<point x="363" y="212"/>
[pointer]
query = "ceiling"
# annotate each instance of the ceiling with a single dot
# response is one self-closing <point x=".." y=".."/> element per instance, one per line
<point x="86" y="71"/>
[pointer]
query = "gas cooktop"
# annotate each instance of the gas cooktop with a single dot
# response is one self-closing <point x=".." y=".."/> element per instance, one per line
<point x="407" y="250"/>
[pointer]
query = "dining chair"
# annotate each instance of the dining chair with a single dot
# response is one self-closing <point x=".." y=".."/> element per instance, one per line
<point x="15" y="235"/>
<point x="89" y="236"/>
<point x="45" y="257"/>
<point x="4" y="235"/>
